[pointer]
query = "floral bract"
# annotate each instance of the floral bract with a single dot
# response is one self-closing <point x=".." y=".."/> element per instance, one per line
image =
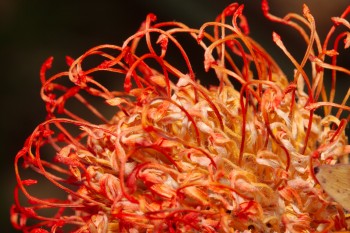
<point x="179" y="157"/>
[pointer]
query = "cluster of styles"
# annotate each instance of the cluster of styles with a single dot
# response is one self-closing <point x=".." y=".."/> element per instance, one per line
<point x="176" y="156"/>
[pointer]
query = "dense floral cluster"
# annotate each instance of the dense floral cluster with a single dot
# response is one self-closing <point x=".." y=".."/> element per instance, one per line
<point x="177" y="156"/>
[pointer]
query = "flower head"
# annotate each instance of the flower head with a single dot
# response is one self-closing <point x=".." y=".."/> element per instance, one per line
<point x="176" y="156"/>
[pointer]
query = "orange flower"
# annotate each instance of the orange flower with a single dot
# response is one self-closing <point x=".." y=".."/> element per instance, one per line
<point x="170" y="155"/>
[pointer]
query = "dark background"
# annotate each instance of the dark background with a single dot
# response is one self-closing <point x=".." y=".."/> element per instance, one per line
<point x="31" y="31"/>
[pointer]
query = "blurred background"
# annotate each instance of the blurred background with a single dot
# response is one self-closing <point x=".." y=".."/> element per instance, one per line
<point x="32" y="31"/>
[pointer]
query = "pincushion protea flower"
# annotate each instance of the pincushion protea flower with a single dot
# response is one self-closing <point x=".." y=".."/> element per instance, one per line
<point x="179" y="157"/>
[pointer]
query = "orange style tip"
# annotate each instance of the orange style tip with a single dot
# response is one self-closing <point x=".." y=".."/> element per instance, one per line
<point x="115" y="101"/>
<point x="306" y="10"/>
<point x="331" y="53"/>
<point x="276" y="38"/>
<point x="336" y="20"/>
